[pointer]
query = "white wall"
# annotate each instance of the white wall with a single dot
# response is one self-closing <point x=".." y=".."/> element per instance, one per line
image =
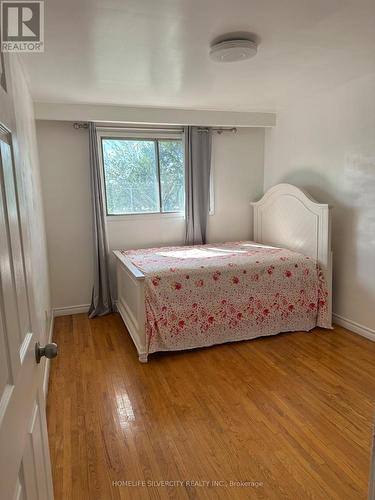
<point x="16" y="112"/>
<point x="238" y="179"/>
<point x="326" y="144"/>
<point x="64" y="158"/>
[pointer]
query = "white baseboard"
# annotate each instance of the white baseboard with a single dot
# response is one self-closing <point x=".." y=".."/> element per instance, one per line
<point x="67" y="311"/>
<point x="362" y="330"/>
<point x="48" y="361"/>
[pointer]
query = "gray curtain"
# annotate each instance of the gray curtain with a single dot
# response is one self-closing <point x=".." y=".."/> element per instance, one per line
<point x="101" y="302"/>
<point x="198" y="143"/>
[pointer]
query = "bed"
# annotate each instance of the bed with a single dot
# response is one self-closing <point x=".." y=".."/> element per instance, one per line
<point x="177" y="298"/>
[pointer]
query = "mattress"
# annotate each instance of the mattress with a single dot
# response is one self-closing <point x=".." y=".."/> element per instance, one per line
<point x="210" y="294"/>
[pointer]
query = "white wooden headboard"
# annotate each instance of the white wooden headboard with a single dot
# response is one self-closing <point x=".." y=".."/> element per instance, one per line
<point x="289" y="218"/>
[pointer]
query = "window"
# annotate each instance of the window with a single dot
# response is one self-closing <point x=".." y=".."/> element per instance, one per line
<point x="143" y="174"/>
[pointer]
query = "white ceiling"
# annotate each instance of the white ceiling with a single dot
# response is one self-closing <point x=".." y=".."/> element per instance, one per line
<point x="155" y="52"/>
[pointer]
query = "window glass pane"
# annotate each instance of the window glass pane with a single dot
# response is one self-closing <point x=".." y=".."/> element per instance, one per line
<point x="172" y="175"/>
<point x="131" y="178"/>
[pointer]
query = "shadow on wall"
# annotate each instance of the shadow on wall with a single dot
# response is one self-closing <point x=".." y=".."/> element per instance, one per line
<point x="348" y="221"/>
<point x="359" y="188"/>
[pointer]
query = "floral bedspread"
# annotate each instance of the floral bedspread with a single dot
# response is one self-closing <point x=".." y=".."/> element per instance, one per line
<point x="209" y="294"/>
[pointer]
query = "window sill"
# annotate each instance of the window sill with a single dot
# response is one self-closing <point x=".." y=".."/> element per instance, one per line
<point x="139" y="217"/>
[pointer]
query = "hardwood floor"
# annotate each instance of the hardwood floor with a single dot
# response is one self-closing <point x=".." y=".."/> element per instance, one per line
<point x="291" y="413"/>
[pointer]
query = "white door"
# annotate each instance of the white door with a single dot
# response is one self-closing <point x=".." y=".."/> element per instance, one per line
<point x="25" y="471"/>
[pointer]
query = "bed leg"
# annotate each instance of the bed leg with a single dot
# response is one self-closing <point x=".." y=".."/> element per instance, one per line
<point x="143" y="358"/>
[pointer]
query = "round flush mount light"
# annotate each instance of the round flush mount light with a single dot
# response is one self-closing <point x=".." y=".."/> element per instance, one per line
<point x="233" y="50"/>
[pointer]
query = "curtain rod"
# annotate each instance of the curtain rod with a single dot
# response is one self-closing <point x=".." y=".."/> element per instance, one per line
<point x="219" y="130"/>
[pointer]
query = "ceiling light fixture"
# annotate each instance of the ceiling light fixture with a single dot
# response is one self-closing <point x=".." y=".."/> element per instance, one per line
<point x="233" y="50"/>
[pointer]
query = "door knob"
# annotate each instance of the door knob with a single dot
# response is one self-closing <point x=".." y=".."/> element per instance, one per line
<point x="49" y="351"/>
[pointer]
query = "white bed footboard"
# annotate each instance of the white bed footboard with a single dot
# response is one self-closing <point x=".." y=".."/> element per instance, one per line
<point x="131" y="303"/>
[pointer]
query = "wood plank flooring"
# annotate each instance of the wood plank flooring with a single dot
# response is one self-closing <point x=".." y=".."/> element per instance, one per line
<point x="290" y="415"/>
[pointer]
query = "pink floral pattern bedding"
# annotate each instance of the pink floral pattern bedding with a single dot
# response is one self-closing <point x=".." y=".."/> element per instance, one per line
<point x="209" y="294"/>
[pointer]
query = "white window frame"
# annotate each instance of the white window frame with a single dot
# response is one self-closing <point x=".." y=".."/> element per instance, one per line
<point x="137" y="133"/>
